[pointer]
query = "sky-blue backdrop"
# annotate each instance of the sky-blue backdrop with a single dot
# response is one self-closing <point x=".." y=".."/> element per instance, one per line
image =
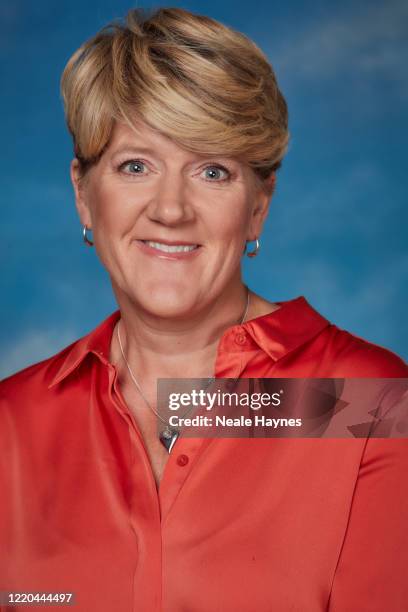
<point x="337" y="230"/>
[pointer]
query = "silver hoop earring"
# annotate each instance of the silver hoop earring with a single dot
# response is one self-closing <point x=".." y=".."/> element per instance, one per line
<point x="254" y="253"/>
<point x="86" y="239"/>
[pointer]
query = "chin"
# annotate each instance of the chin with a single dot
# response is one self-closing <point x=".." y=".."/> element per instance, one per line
<point x="167" y="303"/>
<point x="167" y="311"/>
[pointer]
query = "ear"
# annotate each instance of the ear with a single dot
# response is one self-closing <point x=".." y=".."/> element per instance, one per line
<point x="79" y="185"/>
<point x="260" y="208"/>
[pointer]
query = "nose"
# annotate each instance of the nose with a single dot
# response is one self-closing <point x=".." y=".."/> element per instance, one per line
<point x="170" y="205"/>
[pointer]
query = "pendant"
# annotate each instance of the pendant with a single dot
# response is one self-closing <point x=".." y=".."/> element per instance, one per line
<point x="168" y="438"/>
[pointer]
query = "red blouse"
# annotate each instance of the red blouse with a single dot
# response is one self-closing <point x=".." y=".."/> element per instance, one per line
<point x="237" y="525"/>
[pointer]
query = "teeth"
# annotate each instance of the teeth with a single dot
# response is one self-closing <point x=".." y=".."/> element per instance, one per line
<point x="167" y="248"/>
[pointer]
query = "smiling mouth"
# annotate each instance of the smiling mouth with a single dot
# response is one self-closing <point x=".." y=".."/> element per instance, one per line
<point x="171" y="248"/>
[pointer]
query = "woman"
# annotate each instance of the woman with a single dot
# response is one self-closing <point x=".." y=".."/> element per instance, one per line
<point x="179" y="127"/>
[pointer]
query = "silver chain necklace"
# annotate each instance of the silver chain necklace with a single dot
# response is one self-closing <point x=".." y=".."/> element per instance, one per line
<point x="169" y="434"/>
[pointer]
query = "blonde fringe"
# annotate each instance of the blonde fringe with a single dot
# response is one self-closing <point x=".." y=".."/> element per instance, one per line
<point x="203" y="84"/>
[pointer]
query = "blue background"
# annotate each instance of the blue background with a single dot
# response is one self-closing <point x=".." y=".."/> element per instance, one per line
<point x="337" y="229"/>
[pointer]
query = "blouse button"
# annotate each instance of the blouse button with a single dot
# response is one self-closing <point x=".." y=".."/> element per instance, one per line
<point x="182" y="460"/>
<point x="240" y="338"/>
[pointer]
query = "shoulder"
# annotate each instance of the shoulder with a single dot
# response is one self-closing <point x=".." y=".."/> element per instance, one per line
<point x="33" y="378"/>
<point x="353" y="356"/>
<point x="44" y="374"/>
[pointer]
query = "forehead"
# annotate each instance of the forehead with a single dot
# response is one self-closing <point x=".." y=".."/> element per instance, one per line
<point x="141" y="138"/>
<point x="140" y="135"/>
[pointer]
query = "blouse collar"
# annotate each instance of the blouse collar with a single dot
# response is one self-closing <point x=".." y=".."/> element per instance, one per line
<point x="276" y="333"/>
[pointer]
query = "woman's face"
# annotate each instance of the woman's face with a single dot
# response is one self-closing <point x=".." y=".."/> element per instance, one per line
<point x="169" y="225"/>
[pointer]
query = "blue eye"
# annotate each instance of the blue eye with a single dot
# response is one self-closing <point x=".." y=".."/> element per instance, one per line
<point x="215" y="173"/>
<point x="133" y="166"/>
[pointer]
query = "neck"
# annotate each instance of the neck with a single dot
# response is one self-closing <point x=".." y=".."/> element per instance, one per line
<point x="186" y="347"/>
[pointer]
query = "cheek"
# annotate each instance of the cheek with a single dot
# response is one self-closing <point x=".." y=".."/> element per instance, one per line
<point x="111" y="211"/>
<point x="232" y="222"/>
<point x="109" y="224"/>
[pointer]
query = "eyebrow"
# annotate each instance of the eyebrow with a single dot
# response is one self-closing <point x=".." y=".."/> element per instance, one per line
<point x="129" y="148"/>
<point x="141" y="150"/>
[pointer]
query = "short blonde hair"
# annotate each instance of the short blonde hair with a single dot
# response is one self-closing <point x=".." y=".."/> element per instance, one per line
<point x="203" y="84"/>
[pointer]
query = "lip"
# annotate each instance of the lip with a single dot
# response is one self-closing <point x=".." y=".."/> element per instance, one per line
<point x="152" y="252"/>
<point x="171" y="242"/>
